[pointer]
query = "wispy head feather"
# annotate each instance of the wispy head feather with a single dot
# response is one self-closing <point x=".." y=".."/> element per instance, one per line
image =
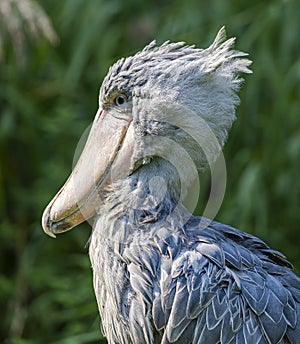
<point x="203" y="81"/>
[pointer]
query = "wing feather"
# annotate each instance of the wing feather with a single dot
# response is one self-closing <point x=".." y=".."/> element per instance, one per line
<point x="217" y="289"/>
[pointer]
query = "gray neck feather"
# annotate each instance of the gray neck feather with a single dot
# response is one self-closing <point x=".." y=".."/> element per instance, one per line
<point x="132" y="205"/>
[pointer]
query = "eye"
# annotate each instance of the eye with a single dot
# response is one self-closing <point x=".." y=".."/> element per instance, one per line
<point x="120" y="100"/>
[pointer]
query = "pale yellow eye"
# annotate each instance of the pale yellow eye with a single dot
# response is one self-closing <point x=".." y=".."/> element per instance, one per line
<point x="120" y="100"/>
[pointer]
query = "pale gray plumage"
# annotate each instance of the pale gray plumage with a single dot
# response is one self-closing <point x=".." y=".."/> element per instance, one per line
<point x="158" y="277"/>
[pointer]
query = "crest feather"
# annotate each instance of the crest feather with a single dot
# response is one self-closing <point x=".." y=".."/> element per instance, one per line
<point x="221" y="54"/>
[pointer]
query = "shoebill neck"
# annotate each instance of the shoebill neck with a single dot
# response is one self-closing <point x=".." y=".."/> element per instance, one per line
<point x="145" y="199"/>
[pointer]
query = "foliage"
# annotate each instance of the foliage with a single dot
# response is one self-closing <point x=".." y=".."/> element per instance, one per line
<point x="48" y="95"/>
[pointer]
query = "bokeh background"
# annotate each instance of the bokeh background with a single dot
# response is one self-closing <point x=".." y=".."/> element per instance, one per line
<point x="53" y="57"/>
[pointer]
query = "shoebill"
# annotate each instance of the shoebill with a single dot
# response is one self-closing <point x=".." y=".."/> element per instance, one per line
<point x="162" y="275"/>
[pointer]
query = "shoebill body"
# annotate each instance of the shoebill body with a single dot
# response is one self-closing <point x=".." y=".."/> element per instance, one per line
<point x="162" y="275"/>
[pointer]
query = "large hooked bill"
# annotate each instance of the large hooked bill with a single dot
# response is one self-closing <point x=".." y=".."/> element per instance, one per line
<point x="105" y="157"/>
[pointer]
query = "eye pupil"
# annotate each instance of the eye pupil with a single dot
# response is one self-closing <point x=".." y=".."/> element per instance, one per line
<point x="120" y="100"/>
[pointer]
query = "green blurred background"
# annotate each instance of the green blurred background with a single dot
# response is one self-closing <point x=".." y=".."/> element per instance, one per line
<point x="53" y="57"/>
